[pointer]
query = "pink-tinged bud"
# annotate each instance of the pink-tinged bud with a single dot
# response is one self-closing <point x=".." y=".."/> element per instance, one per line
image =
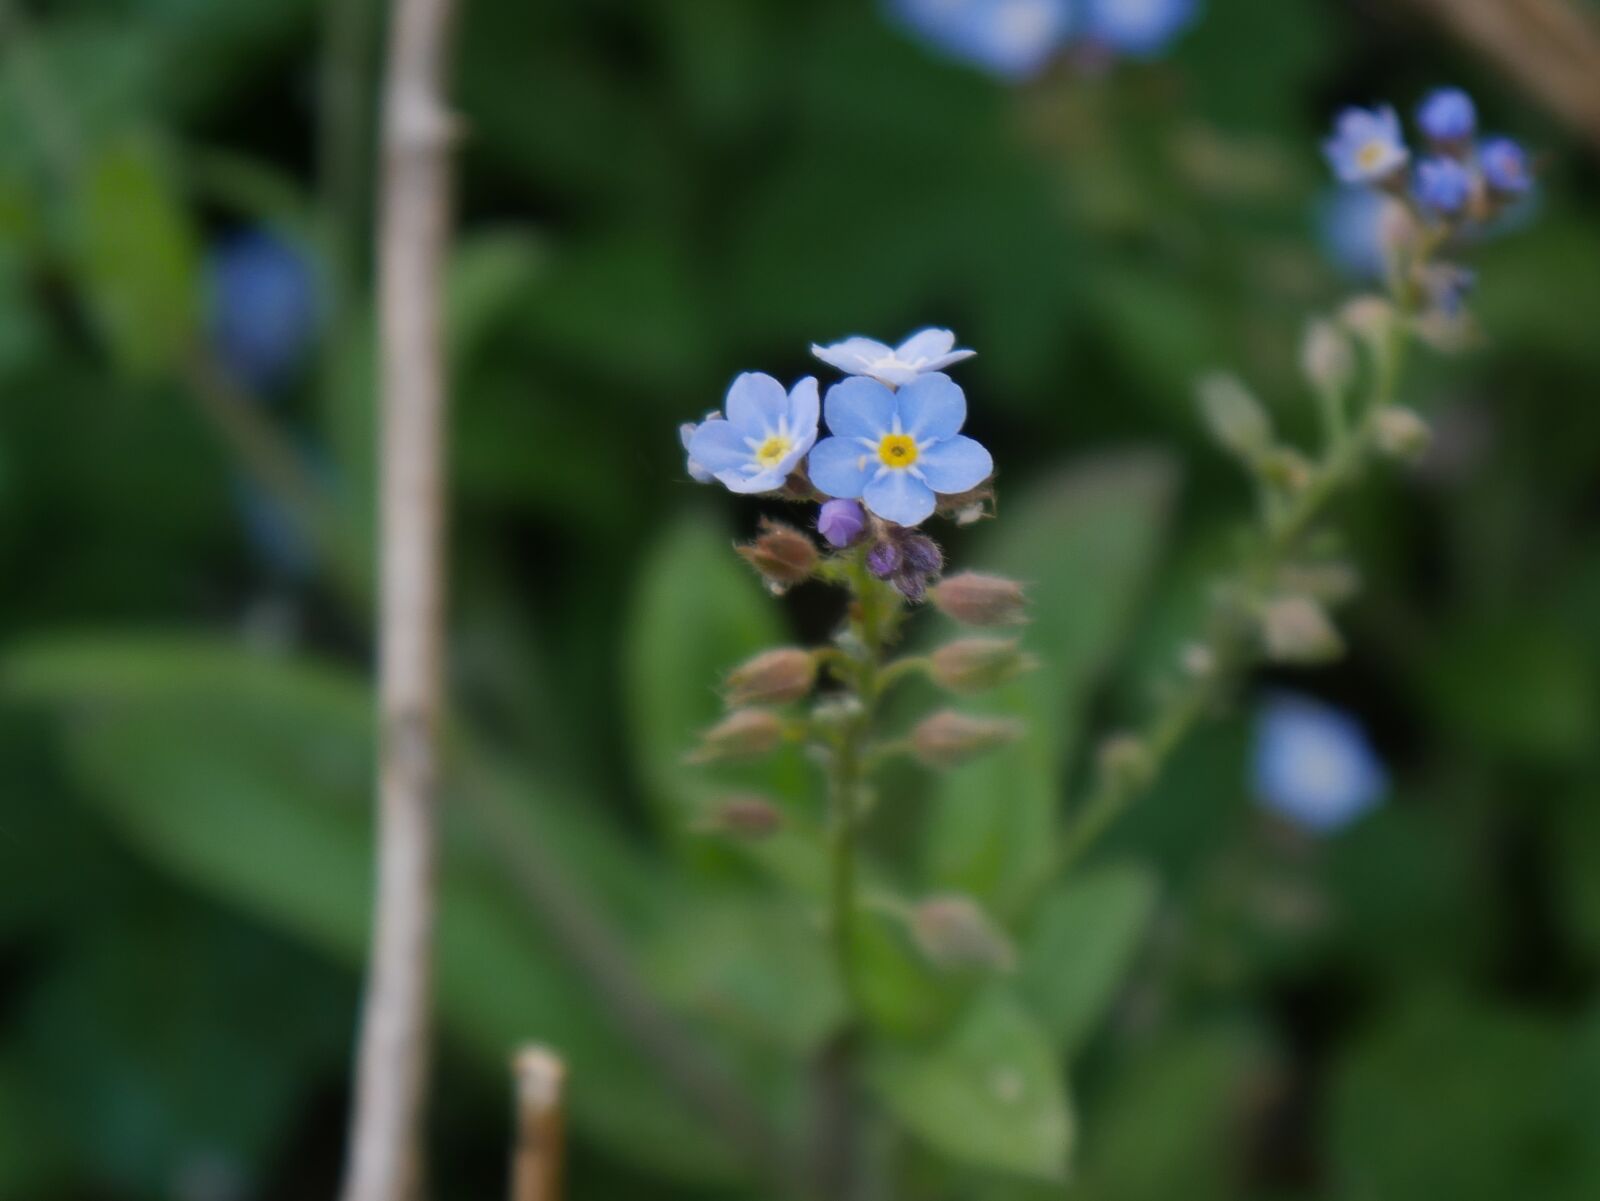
<point x="972" y="665"/>
<point x="772" y="678"/>
<point x="948" y="738"/>
<point x="980" y="600"/>
<point x="955" y="933"/>
<point x="1401" y="433"/>
<point x="743" y="734"/>
<point x="841" y="522"/>
<point x="743" y="816"/>
<point x="782" y="554"/>
<point x="1295" y="629"/>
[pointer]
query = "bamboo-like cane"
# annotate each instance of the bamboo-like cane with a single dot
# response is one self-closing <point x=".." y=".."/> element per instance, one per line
<point x="540" y="1079"/>
<point x="385" y="1156"/>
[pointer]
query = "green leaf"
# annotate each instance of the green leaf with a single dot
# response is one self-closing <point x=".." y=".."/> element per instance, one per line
<point x="1084" y="543"/>
<point x="138" y="256"/>
<point x="1080" y="948"/>
<point x="251" y="777"/>
<point x="990" y="1094"/>
<point x="699" y="612"/>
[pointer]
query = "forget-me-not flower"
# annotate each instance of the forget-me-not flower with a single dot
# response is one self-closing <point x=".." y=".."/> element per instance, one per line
<point x="263" y="306"/>
<point x="1505" y="166"/>
<point x="1447" y="115"/>
<point x="1013" y="39"/>
<point x="1367" y="145"/>
<point x="766" y="433"/>
<point x="1350" y="225"/>
<point x="1443" y="185"/>
<point x="924" y="351"/>
<point x="1141" y="28"/>
<point x="1312" y="764"/>
<point x="896" y="450"/>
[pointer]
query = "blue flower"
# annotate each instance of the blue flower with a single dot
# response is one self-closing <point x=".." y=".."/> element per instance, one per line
<point x="686" y="433"/>
<point x="924" y="351"/>
<point x="1141" y="28"/>
<point x="841" y="522"/>
<point x="1312" y="764"/>
<point x="1350" y="224"/>
<point x="1367" y="145"/>
<point x="1505" y="166"/>
<point x="896" y="450"/>
<point x="1013" y="39"/>
<point x="263" y="307"/>
<point x="765" y="435"/>
<point x="1443" y="185"/>
<point x="1447" y="115"/>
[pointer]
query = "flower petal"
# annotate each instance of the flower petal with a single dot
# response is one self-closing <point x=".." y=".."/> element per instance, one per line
<point x="718" y="447"/>
<point x="932" y="406"/>
<point x="859" y="408"/>
<point x="955" y="464"/>
<point x="755" y="403"/>
<point x="805" y="406"/>
<point x="853" y="355"/>
<point x="925" y="344"/>
<point x="836" y="467"/>
<point x="900" y="497"/>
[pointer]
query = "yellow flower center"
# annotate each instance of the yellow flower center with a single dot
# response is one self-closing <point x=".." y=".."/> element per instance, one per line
<point x="1370" y="155"/>
<point x="770" y="453"/>
<point x="898" y="450"/>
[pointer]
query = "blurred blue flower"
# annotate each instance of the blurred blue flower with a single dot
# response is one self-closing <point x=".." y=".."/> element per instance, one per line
<point x="1447" y="115"/>
<point x="1140" y="28"/>
<point x="926" y="350"/>
<point x="1443" y="185"/>
<point x="1313" y="765"/>
<point x="765" y="435"/>
<point x="1350" y="225"/>
<point x="263" y="307"/>
<point x="841" y="522"/>
<point x="1367" y="145"/>
<point x="1447" y="286"/>
<point x="1013" y="39"/>
<point x="896" y="450"/>
<point x="1505" y="166"/>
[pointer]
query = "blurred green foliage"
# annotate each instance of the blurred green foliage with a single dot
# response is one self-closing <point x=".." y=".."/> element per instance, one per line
<point x="655" y="196"/>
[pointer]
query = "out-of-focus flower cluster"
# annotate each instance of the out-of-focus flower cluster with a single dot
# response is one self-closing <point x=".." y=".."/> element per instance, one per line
<point x="1018" y="39"/>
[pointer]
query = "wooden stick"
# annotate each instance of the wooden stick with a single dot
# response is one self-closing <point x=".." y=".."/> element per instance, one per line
<point x="536" y="1158"/>
<point x="385" y="1156"/>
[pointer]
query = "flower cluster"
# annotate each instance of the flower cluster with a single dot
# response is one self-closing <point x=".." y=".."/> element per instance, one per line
<point x="1017" y="39"/>
<point x="894" y="454"/>
<point x="1458" y="185"/>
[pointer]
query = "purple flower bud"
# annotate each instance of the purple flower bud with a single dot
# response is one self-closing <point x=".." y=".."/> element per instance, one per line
<point x="841" y="522"/>
<point x="1443" y="185"/>
<point x="1505" y="166"/>
<point x="912" y="585"/>
<point x="883" y="560"/>
<point x="922" y="555"/>
<point x="1447" y="115"/>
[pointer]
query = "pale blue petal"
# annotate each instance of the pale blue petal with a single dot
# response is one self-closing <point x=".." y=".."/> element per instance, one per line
<point x="900" y="497"/>
<point x="761" y="481"/>
<point x="859" y="408"/>
<point x="718" y="447"/>
<point x="805" y="405"/>
<point x="852" y="356"/>
<point x="755" y="404"/>
<point x="955" y="465"/>
<point x="932" y="406"/>
<point x="946" y="360"/>
<point x="925" y="344"/>
<point x="837" y="467"/>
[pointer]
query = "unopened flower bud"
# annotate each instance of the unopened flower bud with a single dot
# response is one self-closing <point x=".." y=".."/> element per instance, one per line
<point x="884" y="559"/>
<point x="1401" y="433"/>
<point x="1124" y="760"/>
<point x="1198" y="659"/>
<point x="772" y="678"/>
<point x="1286" y="468"/>
<point x="1235" y="418"/>
<point x="1369" y="318"/>
<point x="980" y="600"/>
<point x="922" y="555"/>
<point x="742" y="816"/>
<point x="948" y="738"/>
<point x="1295" y="629"/>
<point x="1327" y="358"/>
<point x="973" y="665"/>
<point x="782" y="554"/>
<point x="956" y="934"/>
<point x="743" y="734"/>
<point x="841" y="522"/>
